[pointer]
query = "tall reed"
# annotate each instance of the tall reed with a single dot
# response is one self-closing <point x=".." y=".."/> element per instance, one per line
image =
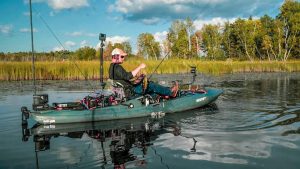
<point x="68" y="70"/>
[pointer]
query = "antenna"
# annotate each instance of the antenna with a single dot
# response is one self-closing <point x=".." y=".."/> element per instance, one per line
<point x="102" y="38"/>
<point x="39" y="100"/>
<point x="32" y="48"/>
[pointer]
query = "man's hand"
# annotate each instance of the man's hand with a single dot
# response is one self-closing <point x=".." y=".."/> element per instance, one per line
<point x="136" y="70"/>
<point x="142" y="65"/>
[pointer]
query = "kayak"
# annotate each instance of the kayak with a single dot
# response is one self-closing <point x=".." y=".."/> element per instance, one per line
<point x="122" y="124"/>
<point x="138" y="107"/>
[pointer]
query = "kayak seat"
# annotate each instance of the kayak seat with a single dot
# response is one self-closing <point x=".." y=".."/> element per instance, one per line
<point x="118" y="89"/>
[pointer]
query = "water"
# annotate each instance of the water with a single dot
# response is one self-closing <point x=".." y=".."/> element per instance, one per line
<point x="254" y="124"/>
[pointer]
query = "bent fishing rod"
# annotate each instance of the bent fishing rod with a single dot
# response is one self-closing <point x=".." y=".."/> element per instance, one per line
<point x="193" y="70"/>
<point x="158" y="65"/>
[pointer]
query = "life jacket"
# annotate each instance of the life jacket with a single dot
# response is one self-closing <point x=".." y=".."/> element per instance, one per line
<point x="127" y="85"/>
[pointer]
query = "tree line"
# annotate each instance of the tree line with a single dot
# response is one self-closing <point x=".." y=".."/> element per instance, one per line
<point x="263" y="38"/>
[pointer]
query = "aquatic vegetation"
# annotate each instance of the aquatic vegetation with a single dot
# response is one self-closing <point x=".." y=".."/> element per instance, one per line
<point x="80" y="70"/>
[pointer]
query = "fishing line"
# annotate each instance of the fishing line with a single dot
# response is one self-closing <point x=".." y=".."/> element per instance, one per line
<point x="57" y="39"/>
<point x="158" y="65"/>
<point x="161" y="159"/>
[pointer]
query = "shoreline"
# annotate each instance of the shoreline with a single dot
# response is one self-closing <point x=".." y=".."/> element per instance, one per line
<point x="202" y="79"/>
<point x="10" y="71"/>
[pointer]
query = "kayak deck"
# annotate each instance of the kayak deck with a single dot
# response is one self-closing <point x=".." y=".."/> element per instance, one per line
<point x="129" y="109"/>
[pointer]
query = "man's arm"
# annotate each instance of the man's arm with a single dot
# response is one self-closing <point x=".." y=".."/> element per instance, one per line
<point x="121" y="73"/>
<point x="136" y="70"/>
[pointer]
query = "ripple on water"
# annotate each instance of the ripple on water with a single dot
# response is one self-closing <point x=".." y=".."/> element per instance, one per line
<point x="254" y="123"/>
<point x="211" y="120"/>
<point x="217" y="136"/>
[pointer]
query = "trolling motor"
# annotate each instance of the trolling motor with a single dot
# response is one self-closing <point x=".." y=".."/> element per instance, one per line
<point x="192" y="87"/>
<point x="40" y="102"/>
<point x="195" y="88"/>
<point x="194" y="73"/>
<point x="42" y="143"/>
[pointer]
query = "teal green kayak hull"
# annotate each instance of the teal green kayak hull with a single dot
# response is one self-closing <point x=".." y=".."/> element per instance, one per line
<point x="138" y="109"/>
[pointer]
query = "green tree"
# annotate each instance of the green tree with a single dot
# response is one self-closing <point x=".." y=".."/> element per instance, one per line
<point x="85" y="53"/>
<point x="227" y="40"/>
<point x="148" y="47"/>
<point x="107" y="51"/>
<point x="127" y="47"/>
<point x="212" y="41"/>
<point x="190" y="28"/>
<point x="178" y="39"/>
<point x="245" y="32"/>
<point x="290" y="17"/>
<point x="182" y="40"/>
<point x="267" y="46"/>
<point x="264" y="38"/>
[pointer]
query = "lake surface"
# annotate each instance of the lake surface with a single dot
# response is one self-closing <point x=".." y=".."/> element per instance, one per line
<point x="254" y="124"/>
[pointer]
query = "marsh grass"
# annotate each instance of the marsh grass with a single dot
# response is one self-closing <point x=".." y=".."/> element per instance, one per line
<point x="67" y="70"/>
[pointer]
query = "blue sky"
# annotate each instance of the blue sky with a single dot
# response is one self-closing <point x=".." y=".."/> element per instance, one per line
<point x="77" y="23"/>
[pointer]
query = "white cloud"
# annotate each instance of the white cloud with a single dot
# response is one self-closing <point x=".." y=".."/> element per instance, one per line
<point x="147" y="11"/>
<point x="58" y="48"/>
<point x="160" y="36"/>
<point x="79" y="33"/>
<point x="151" y="21"/>
<point x="117" y="39"/>
<point x="6" y="29"/>
<point x="67" y="4"/>
<point x="83" y="43"/>
<point x="133" y="6"/>
<point x="113" y="40"/>
<point x="25" y="30"/>
<point x="64" y="4"/>
<point x="70" y="44"/>
<point x="91" y="34"/>
<point x="75" y="34"/>
<point x="214" y="21"/>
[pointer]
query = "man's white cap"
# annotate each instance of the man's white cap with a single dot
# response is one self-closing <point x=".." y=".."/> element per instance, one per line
<point x="118" y="51"/>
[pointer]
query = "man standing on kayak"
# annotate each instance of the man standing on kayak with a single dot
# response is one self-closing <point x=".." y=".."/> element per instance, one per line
<point x="119" y="74"/>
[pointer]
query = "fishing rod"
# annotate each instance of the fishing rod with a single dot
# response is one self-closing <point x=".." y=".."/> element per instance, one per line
<point x="158" y="65"/>
<point x="54" y="35"/>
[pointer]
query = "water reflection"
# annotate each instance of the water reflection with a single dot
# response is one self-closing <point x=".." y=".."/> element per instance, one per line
<point x="200" y="134"/>
<point x="119" y="140"/>
<point x="254" y="124"/>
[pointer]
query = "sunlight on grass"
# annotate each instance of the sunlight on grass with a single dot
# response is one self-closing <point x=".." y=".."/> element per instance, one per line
<point x="90" y="69"/>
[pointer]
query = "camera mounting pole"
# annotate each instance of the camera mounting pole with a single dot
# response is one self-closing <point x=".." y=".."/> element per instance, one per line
<point x="102" y="38"/>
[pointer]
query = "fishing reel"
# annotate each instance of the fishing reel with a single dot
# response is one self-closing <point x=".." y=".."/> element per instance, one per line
<point x="141" y="79"/>
<point x="194" y="73"/>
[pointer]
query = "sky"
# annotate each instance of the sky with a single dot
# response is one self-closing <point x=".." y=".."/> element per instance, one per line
<point x="71" y="24"/>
